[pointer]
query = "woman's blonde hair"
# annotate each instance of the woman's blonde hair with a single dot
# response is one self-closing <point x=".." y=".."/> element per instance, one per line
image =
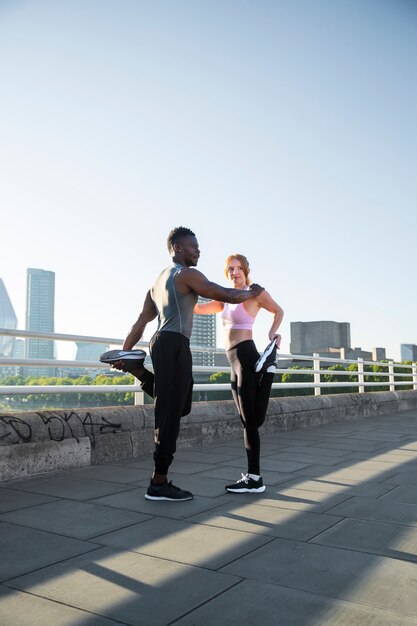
<point x="244" y="263"/>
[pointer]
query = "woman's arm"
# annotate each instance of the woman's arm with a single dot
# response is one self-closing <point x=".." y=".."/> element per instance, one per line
<point x="208" y="308"/>
<point x="265" y="301"/>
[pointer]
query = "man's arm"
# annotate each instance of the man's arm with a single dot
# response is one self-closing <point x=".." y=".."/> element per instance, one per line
<point x="147" y="314"/>
<point x="192" y="279"/>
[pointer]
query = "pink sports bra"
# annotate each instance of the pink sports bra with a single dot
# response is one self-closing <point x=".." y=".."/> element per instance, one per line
<point x="236" y="317"/>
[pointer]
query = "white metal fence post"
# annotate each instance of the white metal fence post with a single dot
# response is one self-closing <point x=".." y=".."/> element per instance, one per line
<point x="317" y="380"/>
<point x="391" y="375"/>
<point x="139" y="398"/>
<point x="414" y="370"/>
<point x="361" y="377"/>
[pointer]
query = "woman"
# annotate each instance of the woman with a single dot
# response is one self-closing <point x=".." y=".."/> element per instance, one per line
<point x="250" y="388"/>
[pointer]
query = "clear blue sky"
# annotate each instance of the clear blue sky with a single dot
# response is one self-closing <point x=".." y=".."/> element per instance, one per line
<point x="284" y="130"/>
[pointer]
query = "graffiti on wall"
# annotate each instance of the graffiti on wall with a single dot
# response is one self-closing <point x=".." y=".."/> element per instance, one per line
<point x="54" y="426"/>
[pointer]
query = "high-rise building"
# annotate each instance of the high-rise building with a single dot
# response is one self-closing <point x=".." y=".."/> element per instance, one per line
<point x="8" y="319"/>
<point x="408" y="352"/>
<point x="40" y="312"/>
<point x="203" y="334"/>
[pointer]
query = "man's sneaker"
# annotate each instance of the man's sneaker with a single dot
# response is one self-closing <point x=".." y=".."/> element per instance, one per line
<point x="167" y="491"/>
<point x="267" y="358"/>
<point x="131" y="359"/>
<point x="122" y="355"/>
<point x="246" y="484"/>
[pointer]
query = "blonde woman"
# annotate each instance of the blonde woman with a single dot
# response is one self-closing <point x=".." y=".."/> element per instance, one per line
<point x="250" y="388"/>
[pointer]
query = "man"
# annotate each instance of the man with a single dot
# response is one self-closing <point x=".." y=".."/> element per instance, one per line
<point x="172" y="299"/>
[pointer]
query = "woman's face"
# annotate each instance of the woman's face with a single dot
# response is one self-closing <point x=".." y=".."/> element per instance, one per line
<point x="236" y="274"/>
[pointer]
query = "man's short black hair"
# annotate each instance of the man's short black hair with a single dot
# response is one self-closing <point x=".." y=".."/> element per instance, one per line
<point x="176" y="234"/>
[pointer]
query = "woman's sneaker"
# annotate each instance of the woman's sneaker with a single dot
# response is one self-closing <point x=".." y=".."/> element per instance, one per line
<point x="267" y="358"/>
<point x="246" y="484"/>
<point x="167" y="491"/>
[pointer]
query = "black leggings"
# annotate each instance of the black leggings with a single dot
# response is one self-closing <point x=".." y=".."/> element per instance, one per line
<point x="250" y="392"/>
<point x="171" y="386"/>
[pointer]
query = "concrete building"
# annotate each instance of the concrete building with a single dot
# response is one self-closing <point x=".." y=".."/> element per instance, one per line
<point x="40" y="313"/>
<point x="408" y="352"/>
<point x="330" y="339"/>
<point x="321" y="337"/>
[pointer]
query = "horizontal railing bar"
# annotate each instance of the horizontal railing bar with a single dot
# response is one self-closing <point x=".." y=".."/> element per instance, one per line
<point x="4" y="361"/>
<point x="91" y="339"/>
<point x="208" y="349"/>
<point x="54" y="389"/>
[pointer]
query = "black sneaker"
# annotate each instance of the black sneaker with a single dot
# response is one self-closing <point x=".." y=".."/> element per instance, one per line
<point x="167" y="491"/>
<point x="131" y="359"/>
<point x="246" y="484"/>
<point x="267" y="358"/>
<point x="122" y="355"/>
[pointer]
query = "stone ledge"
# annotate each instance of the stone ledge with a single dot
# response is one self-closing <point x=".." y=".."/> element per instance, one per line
<point x="44" y="441"/>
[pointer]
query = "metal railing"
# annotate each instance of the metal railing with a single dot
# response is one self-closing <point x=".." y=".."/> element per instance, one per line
<point x="393" y="378"/>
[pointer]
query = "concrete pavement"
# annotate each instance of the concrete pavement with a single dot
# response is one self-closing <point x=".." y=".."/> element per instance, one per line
<point x="332" y="540"/>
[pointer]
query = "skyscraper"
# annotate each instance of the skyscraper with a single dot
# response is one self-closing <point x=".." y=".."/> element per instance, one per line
<point x="203" y="334"/>
<point x="40" y="306"/>
<point x="8" y="319"/>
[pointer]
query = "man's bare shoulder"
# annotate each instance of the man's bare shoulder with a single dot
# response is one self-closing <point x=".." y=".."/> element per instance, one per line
<point x="189" y="273"/>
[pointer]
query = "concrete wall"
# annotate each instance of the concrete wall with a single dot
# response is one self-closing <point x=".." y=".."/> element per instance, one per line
<point x="45" y="441"/>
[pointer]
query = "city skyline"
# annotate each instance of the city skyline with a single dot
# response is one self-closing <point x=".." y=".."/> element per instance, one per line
<point x="285" y="131"/>
<point x="204" y="327"/>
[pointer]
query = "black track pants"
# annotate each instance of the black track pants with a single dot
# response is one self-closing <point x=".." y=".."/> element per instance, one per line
<point x="171" y="386"/>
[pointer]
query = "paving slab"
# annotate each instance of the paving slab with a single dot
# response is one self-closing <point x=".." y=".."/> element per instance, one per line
<point x="23" y="609"/>
<point x="296" y="448"/>
<point x="398" y="542"/>
<point x="402" y="493"/>
<point x="12" y="499"/>
<point x="263" y="604"/>
<point x="68" y="485"/>
<point x="195" y="544"/>
<point x="402" y="478"/>
<point x="351" y="445"/>
<point x="344" y="574"/>
<point x="133" y="588"/>
<point x="304" y="458"/>
<point x="381" y="509"/>
<point x="366" y="490"/>
<point x="81" y="520"/>
<point x="25" y="549"/>
<point x="266" y="520"/>
<point x="348" y="474"/>
<point x="135" y="501"/>
<point x="300" y="499"/>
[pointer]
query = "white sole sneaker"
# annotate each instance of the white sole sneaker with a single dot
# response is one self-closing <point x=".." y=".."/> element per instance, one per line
<point x="264" y="356"/>
<point x="122" y="355"/>
<point x="246" y="490"/>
